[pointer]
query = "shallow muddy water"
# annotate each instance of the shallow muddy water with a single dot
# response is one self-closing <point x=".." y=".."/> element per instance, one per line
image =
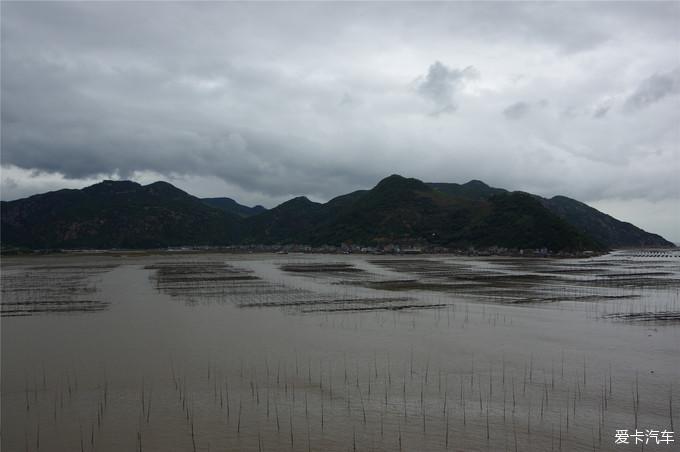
<point x="206" y="351"/>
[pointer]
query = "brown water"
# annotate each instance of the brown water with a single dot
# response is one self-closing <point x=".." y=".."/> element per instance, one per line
<point x="165" y="352"/>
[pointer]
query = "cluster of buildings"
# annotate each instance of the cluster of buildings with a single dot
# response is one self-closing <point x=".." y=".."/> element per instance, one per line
<point x="390" y="248"/>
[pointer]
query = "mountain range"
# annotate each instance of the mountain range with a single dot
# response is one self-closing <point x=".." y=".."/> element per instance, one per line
<point x="125" y="214"/>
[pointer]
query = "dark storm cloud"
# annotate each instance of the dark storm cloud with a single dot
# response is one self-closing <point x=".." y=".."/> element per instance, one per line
<point x="601" y="111"/>
<point x="654" y="89"/>
<point x="521" y="109"/>
<point x="517" y="110"/>
<point x="441" y="84"/>
<point x="275" y="100"/>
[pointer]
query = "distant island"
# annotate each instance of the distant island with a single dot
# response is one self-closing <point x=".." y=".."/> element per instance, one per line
<point x="399" y="212"/>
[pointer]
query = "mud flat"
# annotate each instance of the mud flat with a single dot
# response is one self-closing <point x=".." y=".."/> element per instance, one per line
<point x="198" y="352"/>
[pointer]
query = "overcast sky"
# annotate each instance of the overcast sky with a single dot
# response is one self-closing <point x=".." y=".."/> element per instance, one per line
<point x="262" y="102"/>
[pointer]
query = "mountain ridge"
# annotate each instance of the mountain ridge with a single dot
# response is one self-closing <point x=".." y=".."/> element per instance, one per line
<point x="114" y="214"/>
<point x="590" y="221"/>
<point x="231" y="206"/>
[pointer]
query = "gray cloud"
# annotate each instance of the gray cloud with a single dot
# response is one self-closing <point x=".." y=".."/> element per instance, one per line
<point x="517" y="110"/>
<point x="601" y="110"/>
<point x="521" y="109"/>
<point x="441" y="84"/>
<point x="262" y="101"/>
<point x="653" y="89"/>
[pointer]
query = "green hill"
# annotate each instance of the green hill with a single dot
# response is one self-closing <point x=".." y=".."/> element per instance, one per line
<point x="399" y="210"/>
<point x="115" y="214"/>
<point x="231" y="206"/>
<point x="600" y="226"/>
<point x="290" y="222"/>
<point x="474" y="189"/>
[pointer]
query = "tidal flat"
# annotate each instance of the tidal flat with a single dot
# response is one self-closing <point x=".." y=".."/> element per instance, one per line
<point x="192" y="351"/>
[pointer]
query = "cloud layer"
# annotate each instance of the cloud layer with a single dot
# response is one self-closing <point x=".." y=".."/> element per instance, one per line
<point x="442" y="84"/>
<point x="264" y="101"/>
